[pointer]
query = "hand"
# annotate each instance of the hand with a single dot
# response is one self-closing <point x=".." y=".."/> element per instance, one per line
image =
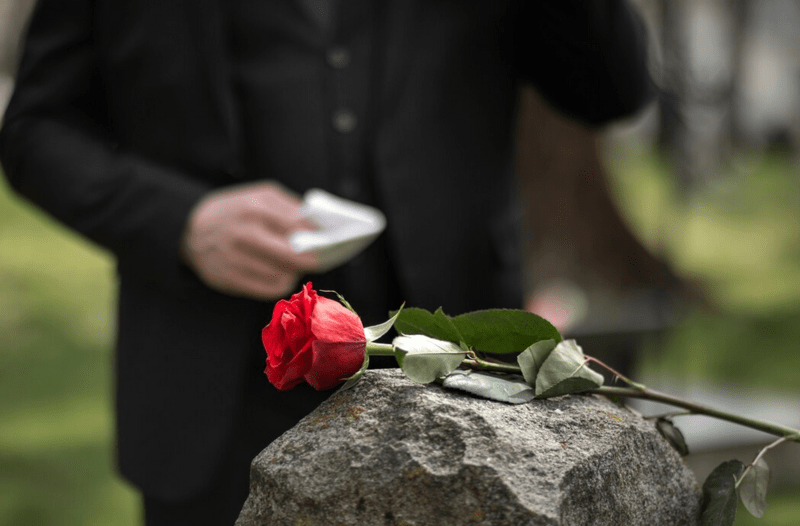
<point x="237" y="241"/>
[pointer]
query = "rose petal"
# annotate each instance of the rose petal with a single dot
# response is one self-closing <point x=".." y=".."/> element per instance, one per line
<point x="284" y="376"/>
<point x="307" y="299"/>
<point x="272" y="336"/>
<point x="332" y="322"/>
<point x="332" y="362"/>
<point x="296" y="331"/>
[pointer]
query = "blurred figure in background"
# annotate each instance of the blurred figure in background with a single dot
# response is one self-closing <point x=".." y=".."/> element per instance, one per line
<point x="180" y="136"/>
<point x="587" y="272"/>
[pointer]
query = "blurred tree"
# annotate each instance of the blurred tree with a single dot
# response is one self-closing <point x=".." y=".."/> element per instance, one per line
<point x="730" y="76"/>
<point x="673" y="78"/>
<point x="576" y="230"/>
<point x="587" y="271"/>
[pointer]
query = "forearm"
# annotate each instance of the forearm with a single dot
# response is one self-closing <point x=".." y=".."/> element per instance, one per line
<point x="588" y="58"/>
<point x="133" y="207"/>
<point x="58" y="149"/>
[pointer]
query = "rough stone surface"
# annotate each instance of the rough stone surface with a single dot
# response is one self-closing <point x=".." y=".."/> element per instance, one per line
<point x="391" y="452"/>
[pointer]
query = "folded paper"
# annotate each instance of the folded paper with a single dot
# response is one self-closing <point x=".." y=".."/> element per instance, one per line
<point x="345" y="228"/>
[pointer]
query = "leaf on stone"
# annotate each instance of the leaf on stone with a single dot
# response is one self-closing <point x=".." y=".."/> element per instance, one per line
<point x="353" y="380"/>
<point x="531" y="359"/>
<point x="509" y="388"/>
<point x="753" y="488"/>
<point x="719" y="495"/>
<point x="565" y="371"/>
<point x="424" y="359"/>
<point x="376" y="331"/>
<point x="673" y="435"/>
<point x="504" y="331"/>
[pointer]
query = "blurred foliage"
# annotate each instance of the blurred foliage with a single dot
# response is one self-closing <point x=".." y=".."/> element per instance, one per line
<point x="739" y="237"/>
<point x="56" y="449"/>
<point x="783" y="509"/>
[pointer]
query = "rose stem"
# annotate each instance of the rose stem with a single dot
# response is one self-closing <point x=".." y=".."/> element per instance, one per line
<point x="758" y="457"/>
<point x="649" y="394"/>
<point x="640" y="391"/>
<point x="476" y="363"/>
<point x="380" y="349"/>
<point x="616" y="373"/>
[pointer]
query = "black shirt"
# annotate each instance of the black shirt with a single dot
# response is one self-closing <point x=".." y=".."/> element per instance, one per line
<point x="306" y="71"/>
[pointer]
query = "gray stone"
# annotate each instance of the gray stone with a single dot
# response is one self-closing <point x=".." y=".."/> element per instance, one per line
<point x="391" y="452"/>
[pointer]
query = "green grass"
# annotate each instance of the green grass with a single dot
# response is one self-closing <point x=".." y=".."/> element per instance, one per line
<point x="56" y="429"/>
<point x="741" y="238"/>
<point x="783" y="509"/>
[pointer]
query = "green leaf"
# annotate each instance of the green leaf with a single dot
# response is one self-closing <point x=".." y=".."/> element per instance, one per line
<point x="565" y="371"/>
<point x="353" y="380"/>
<point x="572" y="385"/>
<point x="673" y="435"/>
<point x="420" y="321"/>
<point x="753" y="488"/>
<point x="445" y="324"/>
<point x="509" y="388"/>
<point x="719" y="495"/>
<point x="376" y="331"/>
<point x="503" y="331"/>
<point x="498" y="331"/>
<point x="532" y="358"/>
<point x="435" y="325"/>
<point x="424" y="359"/>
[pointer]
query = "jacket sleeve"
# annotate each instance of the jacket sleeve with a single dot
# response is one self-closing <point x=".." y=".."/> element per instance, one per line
<point x="587" y="58"/>
<point x="57" y="151"/>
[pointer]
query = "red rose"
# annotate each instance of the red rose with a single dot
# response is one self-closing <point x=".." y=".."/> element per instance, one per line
<point x="312" y="338"/>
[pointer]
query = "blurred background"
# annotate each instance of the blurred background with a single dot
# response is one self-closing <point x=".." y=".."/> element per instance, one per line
<point x="684" y="269"/>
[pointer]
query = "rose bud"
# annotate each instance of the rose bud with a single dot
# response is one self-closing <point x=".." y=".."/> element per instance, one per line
<point x="312" y="338"/>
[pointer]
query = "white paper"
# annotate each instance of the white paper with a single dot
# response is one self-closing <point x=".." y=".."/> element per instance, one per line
<point x="345" y="228"/>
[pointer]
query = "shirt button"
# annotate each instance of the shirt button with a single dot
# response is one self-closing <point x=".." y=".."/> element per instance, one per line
<point x="338" y="57"/>
<point x="344" y="121"/>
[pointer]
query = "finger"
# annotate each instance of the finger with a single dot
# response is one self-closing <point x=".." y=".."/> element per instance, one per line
<point x="265" y="251"/>
<point x="306" y="224"/>
<point x="274" y="291"/>
<point x="285" y="213"/>
<point x="278" y="210"/>
<point x="241" y="275"/>
<point x="251" y="287"/>
<point x="264" y="245"/>
<point x="263" y="283"/>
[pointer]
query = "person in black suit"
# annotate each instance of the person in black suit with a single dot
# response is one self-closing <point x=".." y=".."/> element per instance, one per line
<point x="179" y="135"/>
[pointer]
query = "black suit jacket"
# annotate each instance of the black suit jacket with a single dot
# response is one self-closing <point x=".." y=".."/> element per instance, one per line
<point x="124" y="116"/>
